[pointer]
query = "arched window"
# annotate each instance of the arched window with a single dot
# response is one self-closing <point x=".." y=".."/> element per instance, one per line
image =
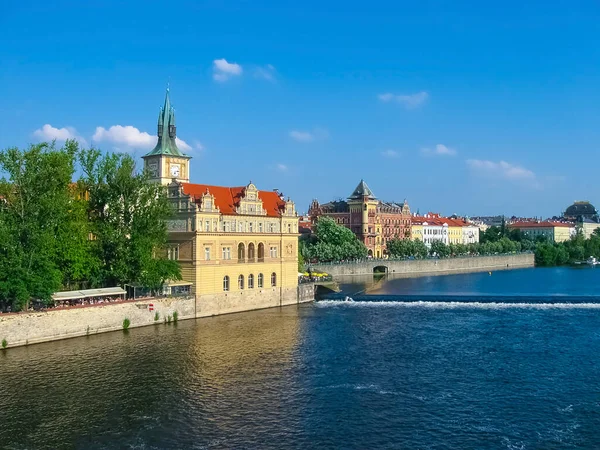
<point x="225" y="283"/>
<point x="260" y="280"/>
<point x="273" y="279"/>
<point x="251" y="252"/>
<point x="250" y="281"/>
<point x="241" y="252"/>
<point x="289" y="227"/>
<point x="261" y="252"/>
<point x="241" y="282"/>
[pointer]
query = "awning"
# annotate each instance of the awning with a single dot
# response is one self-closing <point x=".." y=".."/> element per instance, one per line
<point x="179" y="283"/>
<point x="87" y="293"/>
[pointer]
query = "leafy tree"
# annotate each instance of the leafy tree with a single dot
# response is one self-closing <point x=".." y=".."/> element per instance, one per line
<point x="492" y="234"/>
<point x="128" y="220"/>
<point x="545" y="254"/>
<point x="402" y="248"/>
<point x="440" y="249"/>
<point x="332" y="242"/>
<point x="39" y="219"/>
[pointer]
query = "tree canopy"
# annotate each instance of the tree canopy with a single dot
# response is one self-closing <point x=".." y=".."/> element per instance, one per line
<point x="106" y="228"/>
<point x="332" y="242"/>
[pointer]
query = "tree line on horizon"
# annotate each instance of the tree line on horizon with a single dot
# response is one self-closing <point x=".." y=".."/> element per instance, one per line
<point x="73" y="218"/>
<point x="332" y="242"/>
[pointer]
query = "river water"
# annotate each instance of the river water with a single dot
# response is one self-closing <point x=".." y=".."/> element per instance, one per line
<point x="509" y="360"/>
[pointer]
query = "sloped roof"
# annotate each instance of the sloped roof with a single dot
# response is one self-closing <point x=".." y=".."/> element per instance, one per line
<point x="166" y="144"/>
<point x="544" y="224"/>
<point x="227" y="199"/>
<point x="362" y="190"/>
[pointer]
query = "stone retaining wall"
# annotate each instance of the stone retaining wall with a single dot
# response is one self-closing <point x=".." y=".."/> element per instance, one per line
<point x="431" y="266"/>
<point x="43" y="326"/>
<point x="35" y="327"/>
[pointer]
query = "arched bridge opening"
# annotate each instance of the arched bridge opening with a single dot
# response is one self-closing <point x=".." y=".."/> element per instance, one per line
<point x="380" y="270"/>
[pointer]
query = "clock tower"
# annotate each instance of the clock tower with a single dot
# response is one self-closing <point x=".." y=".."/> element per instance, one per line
<point x="166" y="162"/>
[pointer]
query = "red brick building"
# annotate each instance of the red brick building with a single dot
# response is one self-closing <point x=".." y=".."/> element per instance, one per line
<point x="373" y="221"/>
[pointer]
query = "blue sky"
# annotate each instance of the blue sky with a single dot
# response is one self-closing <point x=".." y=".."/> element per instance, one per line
<point x="458" y="106"/>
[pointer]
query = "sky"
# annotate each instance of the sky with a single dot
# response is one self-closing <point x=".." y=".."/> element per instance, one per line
<point x="459" y="107"/>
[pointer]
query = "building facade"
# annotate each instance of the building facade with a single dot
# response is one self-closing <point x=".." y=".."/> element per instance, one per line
<point x="237" y="246"/>
<point x="374" y="222"/>
<point x="587" y="227"/>
<point x="553" y="231"/>
<point x="431" y="228"/>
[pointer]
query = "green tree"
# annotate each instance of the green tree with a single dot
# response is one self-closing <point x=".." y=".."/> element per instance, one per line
<point x="545" y="254"/>
<point x="128" y="220"/>
<point x="333" y="242"/>
<point x="40" y="223"/>
<point x="438" y="248"/>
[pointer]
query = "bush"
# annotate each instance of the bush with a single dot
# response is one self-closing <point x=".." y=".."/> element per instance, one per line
<point x="156" y="316"/>
<point x="126" y="323"/>
<point x="175" y="316"/>
<point x="4" y="343"/>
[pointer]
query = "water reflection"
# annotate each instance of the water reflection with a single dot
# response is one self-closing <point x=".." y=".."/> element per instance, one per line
<point x="137" y="388"/>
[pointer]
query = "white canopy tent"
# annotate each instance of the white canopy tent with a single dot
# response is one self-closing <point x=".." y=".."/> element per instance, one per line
<point x="87" y="293"/>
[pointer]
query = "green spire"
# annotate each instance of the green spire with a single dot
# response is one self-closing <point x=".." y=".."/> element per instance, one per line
<point x="167" y="132"/>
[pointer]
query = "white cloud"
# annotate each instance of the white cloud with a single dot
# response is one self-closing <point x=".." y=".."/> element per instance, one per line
<point x="282" y="167"/>
<point x="267" y="72"/>
<point x="390" y="153"/>
<point x="439" y="149"/>
<point x="130" y="136"/>
<point x="503" y="170"/>
<point x="223" y="70"/>
<point x="50" y="133"/>
<point x="410" y="101"/>
<point x="317" y="134"/>
<point x="127" y="135"/>
<point x="302" y="136"/>
<point x="182" y="145"/>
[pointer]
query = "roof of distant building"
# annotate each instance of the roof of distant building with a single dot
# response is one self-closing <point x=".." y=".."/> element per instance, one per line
<point x="361" y="191"/>
<point x="542" y="224"/>
<point x="581" y="208"/>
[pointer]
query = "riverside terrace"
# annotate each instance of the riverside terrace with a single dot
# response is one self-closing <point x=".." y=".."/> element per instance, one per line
<point x="426" y="266"/>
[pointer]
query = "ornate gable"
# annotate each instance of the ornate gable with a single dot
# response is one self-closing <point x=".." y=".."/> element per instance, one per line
<point x="250" y="202"/>
<point x="207" y="203"/>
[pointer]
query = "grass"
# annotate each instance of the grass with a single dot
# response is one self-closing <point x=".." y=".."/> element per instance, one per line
<point x="126" y="323"/>
<point x="175" y="316"/>
<point x="4" y="343"/>
<point x="156" y="316"/>
<point x="169" y="318"/>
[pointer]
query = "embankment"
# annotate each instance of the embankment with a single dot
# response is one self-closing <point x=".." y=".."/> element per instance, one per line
<point x="423" y="267"/>
<point x="54" y="324"/>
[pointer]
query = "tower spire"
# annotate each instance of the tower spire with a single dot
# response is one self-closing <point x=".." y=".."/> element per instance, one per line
<point x="167" y="131"/>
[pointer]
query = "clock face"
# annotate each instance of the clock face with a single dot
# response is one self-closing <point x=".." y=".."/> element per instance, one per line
<point x="174" y="170"/>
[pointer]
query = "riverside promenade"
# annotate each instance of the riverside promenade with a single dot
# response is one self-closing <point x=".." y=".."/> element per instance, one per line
<point x="427" y="267"/>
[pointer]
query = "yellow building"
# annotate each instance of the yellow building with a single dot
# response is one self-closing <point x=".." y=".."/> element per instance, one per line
<point x="417" y="230"/>
<point x="237" y="246"/>
<point x="553" y="231"/>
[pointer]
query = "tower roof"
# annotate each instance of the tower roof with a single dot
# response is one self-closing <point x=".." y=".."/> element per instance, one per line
<point x="362" y="190"/>
<point x="167" y="132"/>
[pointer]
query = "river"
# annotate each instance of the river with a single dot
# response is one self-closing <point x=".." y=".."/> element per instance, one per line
<point x="509" y="360"/>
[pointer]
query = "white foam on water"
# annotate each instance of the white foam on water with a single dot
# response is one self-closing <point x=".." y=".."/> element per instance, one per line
<point x="456" y="305"/>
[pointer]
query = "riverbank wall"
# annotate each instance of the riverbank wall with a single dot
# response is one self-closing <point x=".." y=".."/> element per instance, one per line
<point x="428" y="267"/>
<point x="62" y="323"/>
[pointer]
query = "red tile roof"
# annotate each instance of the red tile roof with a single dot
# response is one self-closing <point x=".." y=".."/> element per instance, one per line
<point x="227" y="199"/>
<point x="544" y="224"/>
